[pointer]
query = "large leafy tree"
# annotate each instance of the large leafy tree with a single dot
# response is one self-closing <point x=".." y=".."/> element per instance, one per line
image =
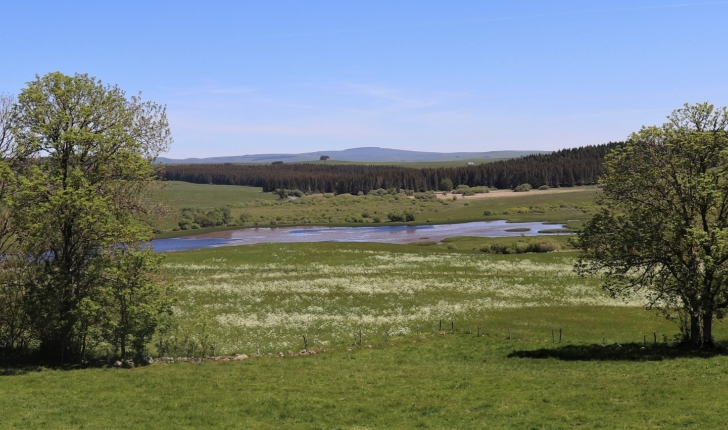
<point x="80" y="167"/>
<point x="663" y="230"/>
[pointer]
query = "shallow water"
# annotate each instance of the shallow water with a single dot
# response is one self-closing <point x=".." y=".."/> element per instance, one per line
<point x="382" y="234"/>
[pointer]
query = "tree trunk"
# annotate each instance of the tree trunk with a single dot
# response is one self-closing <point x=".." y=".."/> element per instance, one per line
<point x="708" y="330"/>
<point x="694" y="330"/>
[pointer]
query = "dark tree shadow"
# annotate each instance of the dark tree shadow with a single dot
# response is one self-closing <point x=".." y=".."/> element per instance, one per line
<point x="21" y="364"/>
<point x="623" y="352"/>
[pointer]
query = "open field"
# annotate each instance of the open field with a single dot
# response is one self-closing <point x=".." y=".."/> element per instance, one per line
<point x="250" y="207"/>
<point x="273" y="294"/>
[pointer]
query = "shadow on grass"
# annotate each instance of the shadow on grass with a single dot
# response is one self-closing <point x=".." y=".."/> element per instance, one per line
<point x="624" y="352"/>
<point x="20" y="365"/>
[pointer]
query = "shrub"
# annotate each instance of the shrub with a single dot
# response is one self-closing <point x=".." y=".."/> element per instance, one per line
<point x="395" y="217"/>
<point x="480" y="190"/>
<point x="488" y="212"/>
<point x="523" y="188"/>
<point x="520" y="247"/>
<point x="543" y="187"/>
<point x="446" y="184"/>
<point x="428" y="196"/>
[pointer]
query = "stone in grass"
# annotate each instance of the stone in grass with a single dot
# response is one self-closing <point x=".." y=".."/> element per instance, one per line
<point x="239" y="357"/>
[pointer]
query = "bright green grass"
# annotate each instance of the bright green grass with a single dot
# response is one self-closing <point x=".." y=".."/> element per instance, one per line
<point x="444" y="381"/>
<point x="454" y="380"/>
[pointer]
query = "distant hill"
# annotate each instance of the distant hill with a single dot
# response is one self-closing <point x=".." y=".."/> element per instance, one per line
<point x="367" y="154"/>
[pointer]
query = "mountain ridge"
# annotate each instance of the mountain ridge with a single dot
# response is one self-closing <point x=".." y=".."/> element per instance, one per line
<point x="360" y="154"/>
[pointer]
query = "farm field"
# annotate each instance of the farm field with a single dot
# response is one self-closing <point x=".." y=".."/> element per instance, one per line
<point x="272" y="295"/>
<point x="249" y="207"/>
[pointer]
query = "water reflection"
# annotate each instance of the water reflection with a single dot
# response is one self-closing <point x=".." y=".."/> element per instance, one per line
<point x="383" y="234"/>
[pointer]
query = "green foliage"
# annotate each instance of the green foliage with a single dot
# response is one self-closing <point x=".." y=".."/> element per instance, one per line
<point x="663" y="226"/>
<point x="406" y="216"/>
<point x="283" y="193"/>
<point x="446" y="184"/>
<point x="522" y="188"/>
<point x="76" y="194"/>
<point x="219" y="216"/>
<point x="134" y="299"/>
<point x="521" y="247"/>
<point x="396" y="217"/>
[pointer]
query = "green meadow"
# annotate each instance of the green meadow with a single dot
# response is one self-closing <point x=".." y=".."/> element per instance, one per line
<point x="251" y="207"/>
<point x="524" y="343"/>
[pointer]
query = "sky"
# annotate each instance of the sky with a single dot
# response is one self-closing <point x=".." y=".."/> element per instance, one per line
<point x="288" y="77"/>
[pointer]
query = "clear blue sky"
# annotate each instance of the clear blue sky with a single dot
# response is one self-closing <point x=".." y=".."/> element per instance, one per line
<point x="260" y="77"/>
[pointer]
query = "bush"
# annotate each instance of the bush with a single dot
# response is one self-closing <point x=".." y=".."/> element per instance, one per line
<point x="446" y="184"/>
<point x="480" y="190"/>
<point x="520" y="247"/>
<point x="428" y="196"/>
<point x="543" y="187"/>
<point x="394" y="217"/>
<point x="523" y="188"/>
<point x="488" y="212"/>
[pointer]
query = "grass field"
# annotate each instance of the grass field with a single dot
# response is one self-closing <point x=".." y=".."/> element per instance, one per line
<point x="238" y="297"/>
<point x="273" y="294"/>
<point x="264" y="209"/>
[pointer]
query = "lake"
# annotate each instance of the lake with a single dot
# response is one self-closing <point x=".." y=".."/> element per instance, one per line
<point x="384" y="234"/>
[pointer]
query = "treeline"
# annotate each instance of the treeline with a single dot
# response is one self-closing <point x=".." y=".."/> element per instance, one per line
<point x="564" y="168"/>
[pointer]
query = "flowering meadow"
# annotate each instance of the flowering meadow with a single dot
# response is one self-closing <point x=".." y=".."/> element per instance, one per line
<point x="236" y="299"/>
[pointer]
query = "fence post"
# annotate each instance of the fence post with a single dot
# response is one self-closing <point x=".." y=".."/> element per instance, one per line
<point x="305" y="343"/>
<point x="509" y="332"/>
<point x="452" y="326"/>
<point x="602" y="338"/>
<point x="560" y="331"/>
<point x="478" y="331"/>
<point x="553" y="338"/>
<point x="440" y="325"/>
<point x="655" y="335"/>
<point x="360" y="337"/>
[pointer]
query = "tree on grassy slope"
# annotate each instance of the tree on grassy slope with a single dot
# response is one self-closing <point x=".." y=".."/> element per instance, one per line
<point x="663" y="229"/>
<point x="80" y="170"/>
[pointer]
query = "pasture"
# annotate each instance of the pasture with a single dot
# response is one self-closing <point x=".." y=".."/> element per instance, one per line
<point x="250" y="207"/>
<point x="408" y="373"/>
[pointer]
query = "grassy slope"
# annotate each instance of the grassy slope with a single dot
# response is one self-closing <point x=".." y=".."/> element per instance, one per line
<point x="263" y="209"/>
<point x="453" y="380"/>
